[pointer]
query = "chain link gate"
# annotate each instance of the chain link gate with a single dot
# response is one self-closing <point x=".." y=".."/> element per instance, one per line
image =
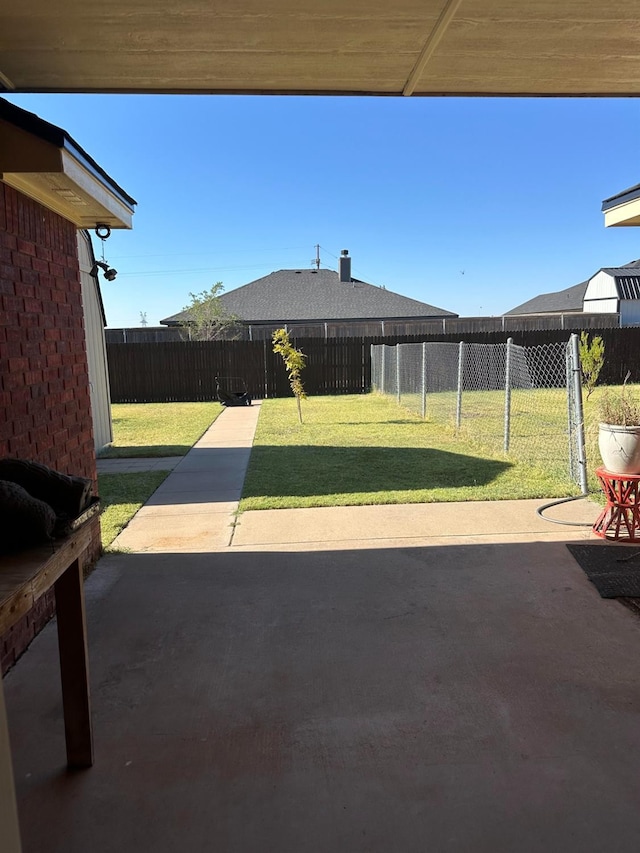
<point x="523" y="401"/>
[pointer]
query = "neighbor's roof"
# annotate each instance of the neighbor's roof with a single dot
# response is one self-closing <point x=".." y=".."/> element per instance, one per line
<point x="315" y="295"/>
<point x="547" y="303"/>
<point x="626" y="278"/>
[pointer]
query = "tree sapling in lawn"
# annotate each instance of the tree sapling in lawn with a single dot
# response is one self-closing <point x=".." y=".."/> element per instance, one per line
<point x="294" y="360"/>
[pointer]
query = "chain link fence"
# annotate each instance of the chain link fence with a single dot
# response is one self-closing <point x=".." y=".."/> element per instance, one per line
<point x="522" y="401"/>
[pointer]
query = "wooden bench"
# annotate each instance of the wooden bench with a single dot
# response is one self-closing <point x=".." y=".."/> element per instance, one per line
<point x="24" y="577"/>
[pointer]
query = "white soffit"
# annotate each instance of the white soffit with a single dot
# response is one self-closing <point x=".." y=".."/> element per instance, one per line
<point x="60" y="181"/>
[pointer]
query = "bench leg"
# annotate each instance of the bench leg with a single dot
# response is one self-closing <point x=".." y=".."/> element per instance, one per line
<point x="9" y="829"/>
<point x="74" y="666"/>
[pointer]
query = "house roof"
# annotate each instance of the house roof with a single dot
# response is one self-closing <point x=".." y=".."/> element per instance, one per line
<point x="628" y="269"/>
<point x="627" y="281"/>
<point x="621" y="197"/>
<point x="623" y="208"/>
<point x="315" y="295"/>
<point x="57" y="136"/>
<point x="569" y="299"/>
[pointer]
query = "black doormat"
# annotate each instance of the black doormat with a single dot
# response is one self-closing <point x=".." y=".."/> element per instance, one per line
<point x="614" y="570"/>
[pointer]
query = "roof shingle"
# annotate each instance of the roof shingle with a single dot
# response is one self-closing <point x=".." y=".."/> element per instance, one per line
<point x="562" y="300"/>
<point x="315" y="295"/>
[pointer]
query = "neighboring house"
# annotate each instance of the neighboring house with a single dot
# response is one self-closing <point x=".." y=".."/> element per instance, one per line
<point x="320" y="302"/>
<point x="612" y="290"/>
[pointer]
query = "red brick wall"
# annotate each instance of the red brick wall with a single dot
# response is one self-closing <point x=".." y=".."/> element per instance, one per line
<point x="45" y="410"/>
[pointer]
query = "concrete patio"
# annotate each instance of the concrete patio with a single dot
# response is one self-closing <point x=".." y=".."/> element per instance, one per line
<point x="365" y="679"/>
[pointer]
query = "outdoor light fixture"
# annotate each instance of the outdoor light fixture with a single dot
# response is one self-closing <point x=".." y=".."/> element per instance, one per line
<point x="108" y="272"/>
<point x="103" y="232"/>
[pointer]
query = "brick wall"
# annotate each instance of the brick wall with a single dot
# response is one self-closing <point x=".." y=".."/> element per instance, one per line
<point x="45" y="410"/>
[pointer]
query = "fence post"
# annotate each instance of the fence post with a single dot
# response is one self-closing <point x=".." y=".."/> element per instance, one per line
<point x="373" y="361"/>
<point x="265" y="369"/>
<point x="568" y="357"/>
<point x="398" y="372"/>
<point x="383" y="368"/>
<point x="579" y="413"/>
<point x="424" y="380"/>
<point x="507" y="396"/>
<point x="460" y="384"/>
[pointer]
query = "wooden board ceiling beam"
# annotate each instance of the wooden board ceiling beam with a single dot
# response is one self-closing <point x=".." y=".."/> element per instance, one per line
<point x="446" y="16"/>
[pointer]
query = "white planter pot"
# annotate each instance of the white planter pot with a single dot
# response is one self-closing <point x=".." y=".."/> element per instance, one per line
<point x="620" y="448"/>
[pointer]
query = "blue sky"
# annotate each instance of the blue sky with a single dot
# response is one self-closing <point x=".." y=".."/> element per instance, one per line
<point x="473" y="205"/>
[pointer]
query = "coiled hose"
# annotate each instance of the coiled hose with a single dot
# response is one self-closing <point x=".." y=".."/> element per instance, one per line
<point x="542" y="508"/>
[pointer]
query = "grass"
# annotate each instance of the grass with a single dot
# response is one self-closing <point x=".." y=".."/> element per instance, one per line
<point x="354" y="450"/>
<point x="121" y="496"/>
<point x="539" y="424"/>
<point x="158" y="429"/>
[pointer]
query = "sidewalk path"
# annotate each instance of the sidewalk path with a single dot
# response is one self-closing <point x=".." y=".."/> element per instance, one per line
<point x="193" y="510"/>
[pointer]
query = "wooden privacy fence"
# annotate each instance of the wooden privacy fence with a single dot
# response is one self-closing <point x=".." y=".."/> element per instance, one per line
<point x="187" y="370"/>
<point x="178" y="371"/>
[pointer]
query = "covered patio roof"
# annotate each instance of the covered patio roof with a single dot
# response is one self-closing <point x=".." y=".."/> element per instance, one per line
<point x="623" y="208"/>
<point x="431" y="47"/>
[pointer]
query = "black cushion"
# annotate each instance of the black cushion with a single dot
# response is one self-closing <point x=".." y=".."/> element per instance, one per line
<point x="68" y="495"/>
<point x="24" y="520"/>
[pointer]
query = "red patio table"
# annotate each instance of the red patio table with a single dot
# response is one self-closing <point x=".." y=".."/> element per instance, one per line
<point x="620" y="518"/>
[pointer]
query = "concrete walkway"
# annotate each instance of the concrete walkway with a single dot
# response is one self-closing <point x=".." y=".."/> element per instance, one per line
<point x="353" y="680"/>
<point x="194" y="508"/>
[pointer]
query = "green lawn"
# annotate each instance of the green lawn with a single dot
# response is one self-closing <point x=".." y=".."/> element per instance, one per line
<point x="121" y="496"/>
<point x="365" y="449"/>
<point x="539" y="424"/>
<point x="158" y="429"/>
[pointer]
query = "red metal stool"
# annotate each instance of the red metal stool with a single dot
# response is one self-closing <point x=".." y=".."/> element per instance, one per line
<point x="620" y="519"/>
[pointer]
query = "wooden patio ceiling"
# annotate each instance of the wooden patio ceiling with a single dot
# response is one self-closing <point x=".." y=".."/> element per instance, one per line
<point x="379" y="47"/>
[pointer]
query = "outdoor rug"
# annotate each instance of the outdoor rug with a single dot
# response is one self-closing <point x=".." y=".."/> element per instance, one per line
<point x="614" y="571"/>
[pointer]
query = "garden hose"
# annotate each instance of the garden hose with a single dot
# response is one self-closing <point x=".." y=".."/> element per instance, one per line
<point x="542" y="508"/>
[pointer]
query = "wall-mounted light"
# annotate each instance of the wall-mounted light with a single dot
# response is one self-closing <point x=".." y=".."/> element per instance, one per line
<point x="108" y="272"/>
<point x="103" y="232"/>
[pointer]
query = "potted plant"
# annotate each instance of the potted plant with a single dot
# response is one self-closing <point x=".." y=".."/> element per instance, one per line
<point x="619" y="431"/>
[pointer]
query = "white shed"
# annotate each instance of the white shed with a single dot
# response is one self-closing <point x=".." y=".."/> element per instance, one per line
<point x="615" y="289"/>
<point x="94" y="323"/>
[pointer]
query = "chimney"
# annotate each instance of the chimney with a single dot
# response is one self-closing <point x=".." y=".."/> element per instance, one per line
<point x="344" y="266"/>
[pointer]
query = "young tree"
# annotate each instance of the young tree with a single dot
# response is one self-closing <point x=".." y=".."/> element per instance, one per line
<point x="591" y="360"/>
<point x="294" y="361"/>
<point x="208" y="319"/>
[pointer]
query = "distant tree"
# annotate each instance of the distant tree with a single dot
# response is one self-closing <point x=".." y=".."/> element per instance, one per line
<point x="208" y="319"/>
<point x="294" y="361"/>
<point x="143" y="318"/>
<point x="591" y="360"/>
